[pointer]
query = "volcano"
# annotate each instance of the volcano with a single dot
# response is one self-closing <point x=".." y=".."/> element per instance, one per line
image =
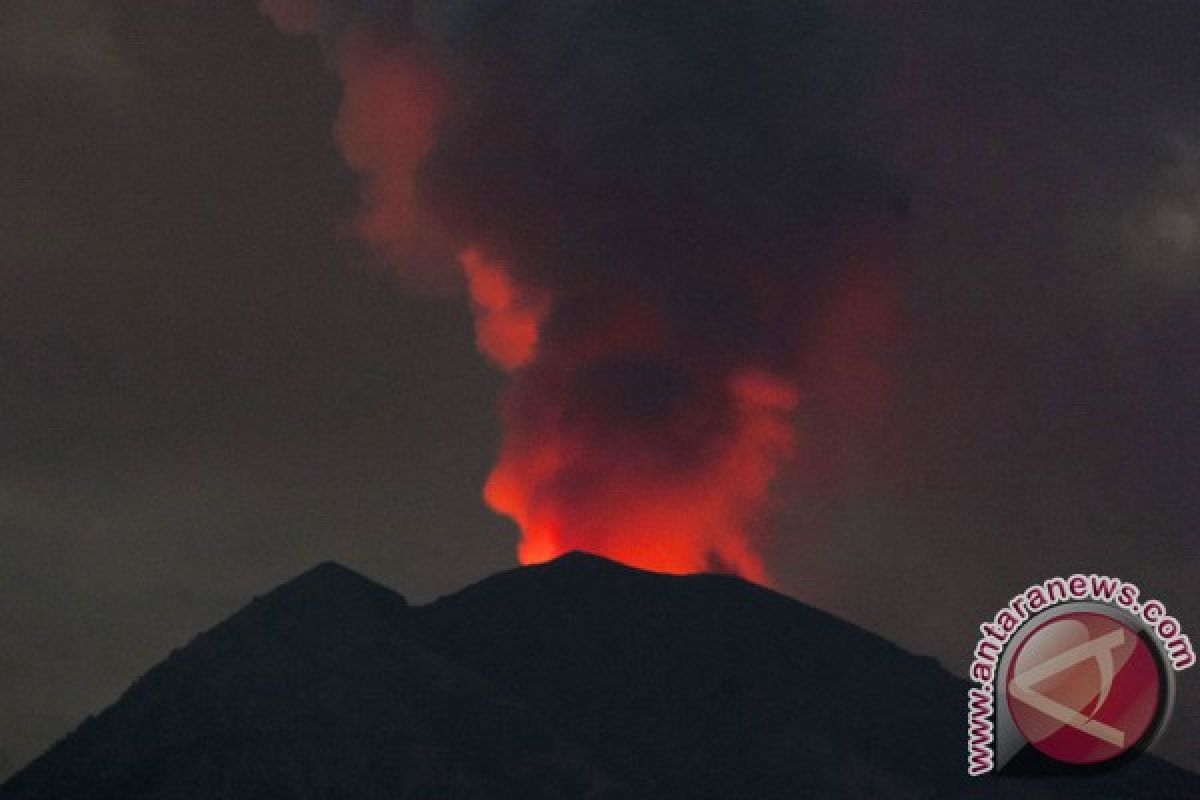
<point x="577" y="678"/>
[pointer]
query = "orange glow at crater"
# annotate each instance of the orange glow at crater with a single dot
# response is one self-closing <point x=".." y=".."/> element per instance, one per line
<point x="640" y="511"/>
<point x="667" y="329"/>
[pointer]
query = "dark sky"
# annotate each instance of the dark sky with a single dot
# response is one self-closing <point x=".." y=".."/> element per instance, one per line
<point x="205" y="387"/>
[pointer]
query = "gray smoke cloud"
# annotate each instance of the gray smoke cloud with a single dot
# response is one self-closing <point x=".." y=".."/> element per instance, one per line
<point x="659" y="208"/>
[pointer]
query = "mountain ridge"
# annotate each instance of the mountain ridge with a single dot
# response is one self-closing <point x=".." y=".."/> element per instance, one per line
<point x="579" y="677"/>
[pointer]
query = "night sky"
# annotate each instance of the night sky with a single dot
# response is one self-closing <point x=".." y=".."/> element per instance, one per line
<point x="209" y="383"/>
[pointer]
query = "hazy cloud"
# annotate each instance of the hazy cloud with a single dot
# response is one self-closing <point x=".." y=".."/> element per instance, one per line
<point x="65" y="40"/>
<point x="1163" y="233"/>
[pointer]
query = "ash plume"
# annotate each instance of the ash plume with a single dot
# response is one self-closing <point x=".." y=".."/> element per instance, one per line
<point x="677" y="227"/>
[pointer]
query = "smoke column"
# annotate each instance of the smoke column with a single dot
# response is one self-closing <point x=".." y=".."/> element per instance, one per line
<point x="676" y="230"/>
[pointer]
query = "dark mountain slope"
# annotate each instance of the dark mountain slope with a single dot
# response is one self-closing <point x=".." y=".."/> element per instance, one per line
<point x="313" y="691"/>
<point x="705" y="686"/>
<point x="571" y="679"/>
<point x="700" y="686"/>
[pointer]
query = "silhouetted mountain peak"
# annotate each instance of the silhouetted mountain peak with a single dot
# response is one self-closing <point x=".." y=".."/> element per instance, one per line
<point x="328" y="573"/>
<point x="580" y="579"/>
<point x="577" y="565"/>
<point x="327" y="596"/>
<point x="314" y="690"/>
<point x="329" y="581"/>
<point x="580" y="559"/>
<point x="576" y="678"/>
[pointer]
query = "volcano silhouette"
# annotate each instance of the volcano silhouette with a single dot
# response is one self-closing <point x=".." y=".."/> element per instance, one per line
<point x="579" y="678"/>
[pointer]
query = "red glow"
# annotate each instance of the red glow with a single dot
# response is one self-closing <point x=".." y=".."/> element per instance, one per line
<point x="632" y="508"/>
<point x="631" y="430"/>
<point x="293" y="17"/>
<point x="506" y="317"/>
<point x="610" y="492"/>
<point x="392" y="99"/>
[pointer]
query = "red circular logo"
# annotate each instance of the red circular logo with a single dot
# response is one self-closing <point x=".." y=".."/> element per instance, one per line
<point x="1084" y="688"/>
